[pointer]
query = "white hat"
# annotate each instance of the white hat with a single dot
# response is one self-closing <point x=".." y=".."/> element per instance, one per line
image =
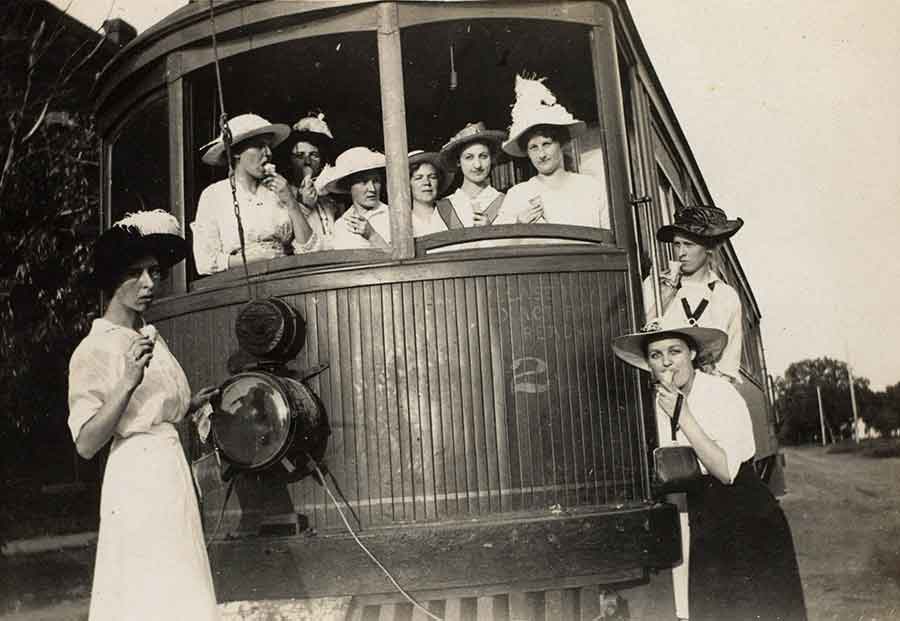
<point x="313" y="125"/>
<point x="632" y="347"/>
<point x="351" y="161"/>
<point x="536" y="105"/>
<point x="242" y="127"/>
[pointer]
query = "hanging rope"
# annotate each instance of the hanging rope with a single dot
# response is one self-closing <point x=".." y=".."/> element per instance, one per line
<point x="228" y="141"/>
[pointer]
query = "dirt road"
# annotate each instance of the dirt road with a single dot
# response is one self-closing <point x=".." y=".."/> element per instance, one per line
<point x="844" y="512"/>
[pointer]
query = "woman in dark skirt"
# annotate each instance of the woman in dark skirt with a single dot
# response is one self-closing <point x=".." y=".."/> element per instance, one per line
<point x="743" y="564"/>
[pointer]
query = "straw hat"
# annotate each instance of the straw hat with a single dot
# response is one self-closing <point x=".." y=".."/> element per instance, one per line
<point x="350" y="162"/>
<point x="243" y="127"/>
<point x="472" y="132"/>
<point x="632" y="347"/>
<point x="154" y="233"/>
<point x="440" y="164"/>
<point x="706" y="222"/>
<point x="536" y="105"/>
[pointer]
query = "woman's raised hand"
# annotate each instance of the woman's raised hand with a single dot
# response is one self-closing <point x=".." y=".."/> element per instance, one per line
<point x="201" y="397"/>
<point x="666" y="396"/>
<point x="137" y="357"/>
<point x="308" y="193"/>
<point x="278" y="185"/>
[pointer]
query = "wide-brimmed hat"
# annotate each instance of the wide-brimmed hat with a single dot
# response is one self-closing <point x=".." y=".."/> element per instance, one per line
<point x="536" y="105"/>
<point x="145" y="233"/>
<point x="705" y="222"/>
<point x="348" y="163"/>
<point x="632" y="348"/>
<point x="243" y="127"/>
<point x="472" y="132"/>
<point x="438" y="161"/>
<point x="314" y="130"/>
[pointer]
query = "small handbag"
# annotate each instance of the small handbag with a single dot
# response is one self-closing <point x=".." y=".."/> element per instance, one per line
<point x="675" y="468"/>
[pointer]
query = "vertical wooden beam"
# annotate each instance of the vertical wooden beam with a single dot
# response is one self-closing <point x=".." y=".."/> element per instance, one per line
<point x="393" y="115"/>
<point x="176" y="158"/>
<point x="608" y="93"/>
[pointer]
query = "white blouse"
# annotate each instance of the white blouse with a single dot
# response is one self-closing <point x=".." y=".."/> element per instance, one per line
<point x="722" y="413"/>
<point x="267" y="226"/>
<point x="425" y="226"/>
<point x="98" y="365"/>
<point x="579" y="200"/>
<point x="466" y="207"/>
<point x="379" y="217"/>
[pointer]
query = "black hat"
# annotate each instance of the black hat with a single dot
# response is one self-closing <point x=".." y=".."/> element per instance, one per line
<point x="154" y="233"/>
<point x="703" y="221"/>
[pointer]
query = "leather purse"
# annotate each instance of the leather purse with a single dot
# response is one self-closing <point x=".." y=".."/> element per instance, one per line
<point x="675" y="468"/>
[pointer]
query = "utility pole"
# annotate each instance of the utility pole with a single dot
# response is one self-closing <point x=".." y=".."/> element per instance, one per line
<point x="853" y="404"/>
<point x="821" y="413"/>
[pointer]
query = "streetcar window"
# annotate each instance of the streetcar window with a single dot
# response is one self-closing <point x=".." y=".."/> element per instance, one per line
<point x="139" y="171"/>
<point x="336" y="75"/>
<point x="462" y="72"/>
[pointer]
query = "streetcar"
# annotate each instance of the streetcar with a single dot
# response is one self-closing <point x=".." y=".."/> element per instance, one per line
<point x="483" y="441"/>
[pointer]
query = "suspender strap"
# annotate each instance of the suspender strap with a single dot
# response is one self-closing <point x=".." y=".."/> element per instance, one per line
<point x="494" y="208"/>
<point x="694" y="315"/>
<point x="677" y="414"/>
<point x="448" y="214"/>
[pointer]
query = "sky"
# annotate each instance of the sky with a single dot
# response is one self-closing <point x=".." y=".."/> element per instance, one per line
<point x="791" y="109"/>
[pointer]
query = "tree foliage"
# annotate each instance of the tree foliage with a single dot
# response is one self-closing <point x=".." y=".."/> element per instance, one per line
<point x="797" y="402"/>
<point x="49" y="211"/>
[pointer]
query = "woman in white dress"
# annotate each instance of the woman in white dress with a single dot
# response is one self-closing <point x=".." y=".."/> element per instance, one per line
<point x="273" y="222"/>
<point x="428" y="179"/>
<point x="125" y="386"/>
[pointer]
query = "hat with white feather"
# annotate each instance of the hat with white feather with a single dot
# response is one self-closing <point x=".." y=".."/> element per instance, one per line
<point x="536" y="105"/>
<point x="144" y="233"/>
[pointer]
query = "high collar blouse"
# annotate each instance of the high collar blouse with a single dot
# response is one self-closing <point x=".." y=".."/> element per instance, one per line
<point x="98" y="365"/>
<point x="267" y="226"/>
<point x="466" y="206"/>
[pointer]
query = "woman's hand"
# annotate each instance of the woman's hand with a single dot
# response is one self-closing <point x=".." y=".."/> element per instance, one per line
<point x="201" y="397"/>
<point x="534" y="212"/>
<point x="359" y="225"/>
<point x="279" y="185"/>
<point x="308" y="193"/>
<point x="667" y="397"/>
<point x="479" y="219"/>
<point x="137" y="357"/>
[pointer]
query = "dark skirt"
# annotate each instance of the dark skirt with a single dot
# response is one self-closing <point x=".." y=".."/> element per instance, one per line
<point x="742" y="560"/>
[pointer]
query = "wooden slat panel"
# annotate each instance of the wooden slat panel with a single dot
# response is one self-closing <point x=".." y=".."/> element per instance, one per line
<point x="438" y="450"/>
<point x="470" y="454"/>
<point x="509" y="416"/>
<point x="401" y="308"/>
<point x="579" y="400"/>
<point x="520" y="416"/>
<point x="369" y="412"/>
<point x="448" y="453"/>
<point x="486" y="396"/>
<point x="591" y="417"/>
<point x="474" y="355"/>
<point x="352" y="378"/>
<point x="376" y="414"/>
<point x="498" y="389"/>
<point x="456" y="408"/>
<point x="424" y="446"/>
<point x="413" y="423"/>
<point x="340" y="426"/>
<point x="393" y="462"/>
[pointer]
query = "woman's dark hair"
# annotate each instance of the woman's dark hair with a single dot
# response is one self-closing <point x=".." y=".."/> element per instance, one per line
<point x="440" y="172"/>
<point x="553" y="132"/>
<point x="652" y="338"/>
<point x="491" y="146"/>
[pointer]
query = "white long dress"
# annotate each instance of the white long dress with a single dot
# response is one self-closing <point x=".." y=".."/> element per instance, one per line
<point x="151" y="559"/>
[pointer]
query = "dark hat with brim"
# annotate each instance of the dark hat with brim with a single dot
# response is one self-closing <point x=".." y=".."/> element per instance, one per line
<point x="146" y="233"/>
<point x="438" y="161"/>
<point x="471" y="133"/>
<point x="632" y="348"/>
<point x="704" y="222"/>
